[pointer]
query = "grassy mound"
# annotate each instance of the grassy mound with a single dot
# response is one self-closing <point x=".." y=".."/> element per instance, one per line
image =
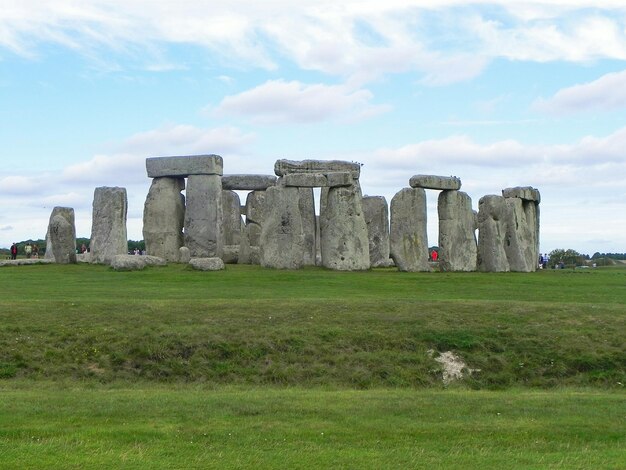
<point x="311" y="328"/>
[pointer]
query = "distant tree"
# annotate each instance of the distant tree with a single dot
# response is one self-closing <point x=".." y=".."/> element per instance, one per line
<point x="568" y="257"/>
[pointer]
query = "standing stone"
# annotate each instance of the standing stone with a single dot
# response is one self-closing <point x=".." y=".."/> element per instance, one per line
<point x="203" y="216"/>
<point x="408" y="237"/>
<point x="307" y="213"/>
<point x="249" y="252"/>
<point x="457" y="240"/>
<point x="68" y="214"/>
<point x="108" y="227"/>
<point x="376" y="213"/>
<point x="493" y="214"/>
<point x="344" y="241"/>
<point x="231" y="209"/>
<point x="282" y="237"/>
<point x="520" y="239"/>
<point x="163" y="217"/>
<point x="232" y="224"/>
<point x="62" y="236"/>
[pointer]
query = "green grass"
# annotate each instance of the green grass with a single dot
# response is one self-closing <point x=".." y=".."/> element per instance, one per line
<point x="175" y="368"/>
<point x="197" y="427"/>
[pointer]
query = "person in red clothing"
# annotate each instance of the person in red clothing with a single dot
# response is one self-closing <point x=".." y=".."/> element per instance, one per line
<point x="14" y="251"/>
<point x="434" y="255"/>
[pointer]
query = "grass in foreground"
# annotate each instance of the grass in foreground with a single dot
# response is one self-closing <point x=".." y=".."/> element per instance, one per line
<point x="195" y="427"/>
<point x="251" y="326"/>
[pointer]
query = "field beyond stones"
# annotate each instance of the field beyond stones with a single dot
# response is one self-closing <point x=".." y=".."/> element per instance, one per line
<point x="174" y="368"/>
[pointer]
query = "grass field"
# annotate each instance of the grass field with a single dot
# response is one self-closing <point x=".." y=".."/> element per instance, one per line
<point x="175" y="368"/>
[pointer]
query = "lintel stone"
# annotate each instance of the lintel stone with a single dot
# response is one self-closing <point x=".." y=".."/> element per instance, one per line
<point x="247" y="182"/>
<point x="318" y="180"/>
<point x="184" y="166"/>
<point x="285" y="167"/>
<point x="527" y="193"/>
<point x="435" y="182"/>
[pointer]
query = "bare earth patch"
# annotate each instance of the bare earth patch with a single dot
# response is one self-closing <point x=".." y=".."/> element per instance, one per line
<point x="453" y="366"/>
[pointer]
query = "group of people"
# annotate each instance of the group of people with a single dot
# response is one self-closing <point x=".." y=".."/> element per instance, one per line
<point x="30" y="250"/>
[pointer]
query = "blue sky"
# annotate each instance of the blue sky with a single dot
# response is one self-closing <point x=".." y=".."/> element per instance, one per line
<point x="500" y="93"/>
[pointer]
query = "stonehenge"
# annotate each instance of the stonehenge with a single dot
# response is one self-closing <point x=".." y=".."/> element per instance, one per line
<point x="278" y="227"/>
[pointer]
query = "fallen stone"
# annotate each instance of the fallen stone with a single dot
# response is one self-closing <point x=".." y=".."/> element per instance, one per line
<point x="230" y="254"/>
<point x="435" y="182"/>
<point x="128" y="262"/>
<point x="184" y="166"/>
<point x="248" y="182"/>
<point x="207" y="264"/>
<point x="184" y="255"/>
<point x="25" y="261"/>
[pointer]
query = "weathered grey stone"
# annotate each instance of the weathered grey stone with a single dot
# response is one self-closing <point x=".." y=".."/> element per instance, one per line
<point x="309" y="222"/>
<point x="128" y="262"/>
<point x="163" y="218"/>
<point x="408" y="238"/>
<point x="184" y="255"/>
<point x="63" y="238"/>
<point x="458" y="250"/>
<point x="248" y="182"/>
<point x="521" y="244"/>
<point x="317" y="180"/>
<point x="343" y="231"/>
<point x="255" y="207"/>
<point x="184" y="166"/>
<point x="108" y="227"/>
<point x="282" y="237"/>
<point x="230" y="254"/>
<point x="232" y="222"/>
<point x="285" y="167"/>
<point x="153" y="260"/>
<point x="25" y="261"/>
<point x="493" y="213"/>
<point x="203" y="216"/>
<point x="435" y="182"/>
<point x="376" y="213"/>
<point x="207" y="264"/>
<point x="83" y="257"/>
<point x="68" y="214"/>
<point x="527" y="193"/>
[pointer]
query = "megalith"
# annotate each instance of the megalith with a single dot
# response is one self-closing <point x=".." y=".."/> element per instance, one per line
<point x="163" y="218"/>
<point x="343" y="231"/>
<point x="108" y="227"/>
<point x="309" y="223"/>
<point x="408" y="237"/>
<point x="232" y="225"/>
<point x="62" y="236"/>
<point x="203" y="216"/>
<point x="458" y="249"/>
<point x="522" y="238"/>
<point x="493" y="216"/>
<point x="249" y="250"/>
<point x="282" y="236"/>
<point x="376" y="214"/>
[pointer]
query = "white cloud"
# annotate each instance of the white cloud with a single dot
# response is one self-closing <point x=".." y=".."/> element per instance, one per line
<point x="604" y="94"/>
<point x="278" y="101"/>
<point x="325" y="36"/>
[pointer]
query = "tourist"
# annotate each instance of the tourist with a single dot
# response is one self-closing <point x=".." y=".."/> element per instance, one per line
<point x="28" y="249"/>
<point x="14" y="251"/>
<point x="434" y="255"/>
<point x="83" y="248"/>
<point x="35" y="251"/>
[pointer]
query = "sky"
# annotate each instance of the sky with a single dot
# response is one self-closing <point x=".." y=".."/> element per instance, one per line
<point x="499" y="93"/>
